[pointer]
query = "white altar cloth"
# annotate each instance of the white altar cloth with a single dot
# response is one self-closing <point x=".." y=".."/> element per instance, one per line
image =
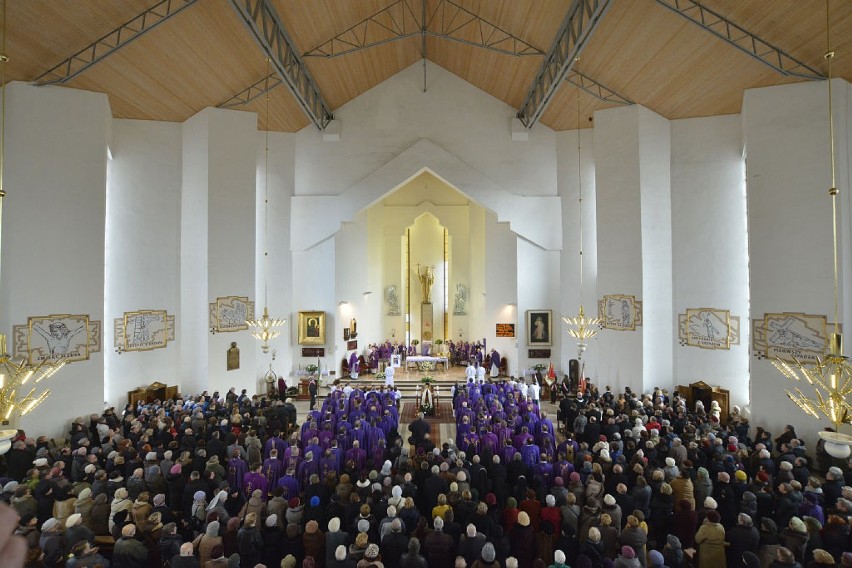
<point x="427" y="359"/>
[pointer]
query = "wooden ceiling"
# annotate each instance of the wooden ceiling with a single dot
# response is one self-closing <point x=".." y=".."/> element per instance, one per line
<point x="204" y="55"/>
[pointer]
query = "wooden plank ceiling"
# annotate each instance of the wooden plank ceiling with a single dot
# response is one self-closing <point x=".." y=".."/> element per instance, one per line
<point x="204" y="55"/>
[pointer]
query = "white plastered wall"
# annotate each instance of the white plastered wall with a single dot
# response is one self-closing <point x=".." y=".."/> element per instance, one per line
<point x="142" y="247"/>
<point x="785" y="130"/>
<point x="566" y="143"/>
<point x="710" y="249"/>
<point x="53" y="231"/>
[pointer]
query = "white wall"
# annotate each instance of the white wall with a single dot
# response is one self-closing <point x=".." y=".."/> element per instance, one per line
<point x="654" y="171"/>
<point x="501" y="286"/>
<point x="567" y="143"/>
<point x="789" y="214"/>
<point x="538" y="288"/>
<point x="619" y="238"/>
<point x="142" y="247"/>
<point x="313" y="279"/>
<point x="278" y="264"/>
<point x="53" y="231"/>
<point x="218" y="240"/>
<point x="710" y="248"/>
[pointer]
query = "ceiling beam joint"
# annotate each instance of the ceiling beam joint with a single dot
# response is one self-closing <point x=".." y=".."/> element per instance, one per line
<point x="747" y="42"/>
<point x="108" y="44"/>
<point x="443" y="19"/>
<point x="263" y="22"/>
<point x="597" y="90"/>
<point x="573" y="35"/>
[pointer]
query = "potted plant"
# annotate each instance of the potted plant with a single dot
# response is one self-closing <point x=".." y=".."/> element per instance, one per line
<point x="312" y="369"/>
<point x="539" y="367"/>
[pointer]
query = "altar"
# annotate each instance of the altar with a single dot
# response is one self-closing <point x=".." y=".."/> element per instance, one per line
<point x="416" y="359"/>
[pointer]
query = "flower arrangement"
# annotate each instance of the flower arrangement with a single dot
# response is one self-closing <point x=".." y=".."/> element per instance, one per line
<point x="539" y="367"/>
<point x="380" y="376"/>
<point x="311" y="369"/>
<point x="415" y="342"/>
<point x="427" y="380"/>
<point x="439" y="342"/>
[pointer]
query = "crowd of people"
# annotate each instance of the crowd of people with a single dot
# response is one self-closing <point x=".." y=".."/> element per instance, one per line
<point x="238" y="481"/>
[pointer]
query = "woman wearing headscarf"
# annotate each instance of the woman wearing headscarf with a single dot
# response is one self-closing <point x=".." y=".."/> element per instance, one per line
<point x="703" y="487"/>
<point x="205" y="542"/>
<point x="217" y="505"/>
<point x="119" y="503"/>
<point x="635" y="537"/>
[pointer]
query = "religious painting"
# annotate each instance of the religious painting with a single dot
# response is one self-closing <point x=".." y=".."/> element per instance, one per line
<point x="145" y="330"/>
<point x="233" y="357"/>
<point x="346" y="334"/>
<point x="229" y="313"/>
<point x="540" y="327"/>
<point x="708" y="328"/>
<point x="790" y="336"/>
<point x="58" y="337"/>
<point x="352" y="345"/>
<point x="311" y="328"/>
<point x="618" y="312"/>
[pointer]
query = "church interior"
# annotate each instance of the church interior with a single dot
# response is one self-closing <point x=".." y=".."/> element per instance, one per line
<point x="424" y="171"/>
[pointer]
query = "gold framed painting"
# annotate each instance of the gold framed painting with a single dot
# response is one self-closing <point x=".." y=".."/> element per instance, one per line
<point x="311" y="328"/>
<point x="539" y="327"/>
<point x="58" y="337"/>
<point x="145" y="330"/>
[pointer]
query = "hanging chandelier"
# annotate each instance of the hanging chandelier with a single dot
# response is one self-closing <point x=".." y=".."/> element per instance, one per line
<point x="830" y="378"/>
<point x="581" y="327"/>
<point x="266" y="328"/>
<point x="16" y="376"/>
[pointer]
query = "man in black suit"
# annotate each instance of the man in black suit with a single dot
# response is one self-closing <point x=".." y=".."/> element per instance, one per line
<point x="419" y="428"/>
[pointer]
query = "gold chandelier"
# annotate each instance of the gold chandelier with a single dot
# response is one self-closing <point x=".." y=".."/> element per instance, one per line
<point x="581" y="327"/>
<point x="830" y="377"/>
<point x="16" y="376"/>
<point x="266" y="329"/>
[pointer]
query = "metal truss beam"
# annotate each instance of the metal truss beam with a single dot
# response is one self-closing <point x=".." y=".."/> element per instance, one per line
<point x="251" y="93"/>
<point x="263" y="22"/>
<point x="742" y="39"/>
<point x="437" y="18"/>
<point x="582" y="19"/>
<point x="595" y="89"/>
<point x="112" y="42"/>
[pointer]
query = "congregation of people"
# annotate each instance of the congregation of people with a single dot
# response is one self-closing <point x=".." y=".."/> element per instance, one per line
<point x="630" y="481"/>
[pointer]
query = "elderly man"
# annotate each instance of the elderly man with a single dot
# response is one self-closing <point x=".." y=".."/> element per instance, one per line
<point x="129" y="552"/>
<point x="185" y="559"/>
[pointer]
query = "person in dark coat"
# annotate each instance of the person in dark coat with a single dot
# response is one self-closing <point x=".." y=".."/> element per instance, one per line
<point x="169" y="542"/>
<point x="413" y="558"/>
<point x="470" y="544"/>
<point x="52" y="544"/>
<point x="439" y="547"/>
<point x="741" y="538"/>
<point x="523" y="541"/>
<point x="394" y="545"/>
<point x="185" y="559"/>
<point x="249" y="541"/>
<point x="129" y="552"/>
